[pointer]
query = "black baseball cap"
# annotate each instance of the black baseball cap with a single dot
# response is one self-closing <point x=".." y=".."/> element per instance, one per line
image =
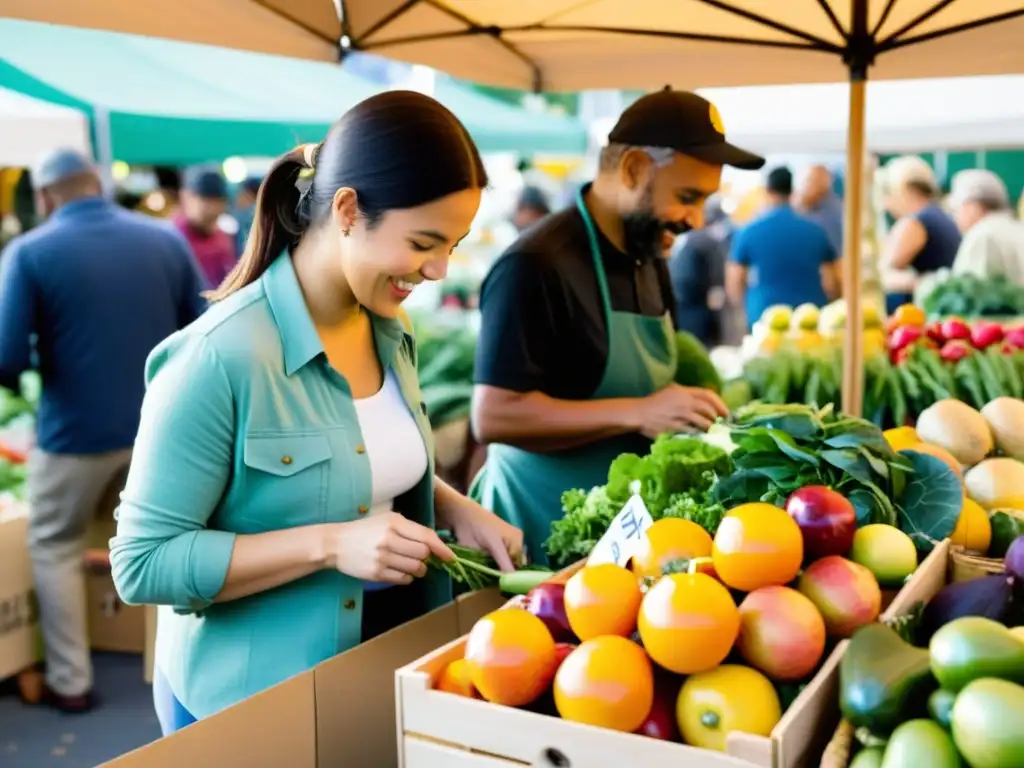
<point x="682" y="121"/>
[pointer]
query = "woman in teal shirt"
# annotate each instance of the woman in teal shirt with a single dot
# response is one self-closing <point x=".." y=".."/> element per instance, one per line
<point x="282" y="482"/>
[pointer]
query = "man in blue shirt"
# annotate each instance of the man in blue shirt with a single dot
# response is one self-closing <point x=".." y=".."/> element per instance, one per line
<point x="781" y="257"/>
<point x="83" y="299"/>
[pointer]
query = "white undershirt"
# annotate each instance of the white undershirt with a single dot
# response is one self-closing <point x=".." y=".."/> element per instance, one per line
<point x="394" y="445"/>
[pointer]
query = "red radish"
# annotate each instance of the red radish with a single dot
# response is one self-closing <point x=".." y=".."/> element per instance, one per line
<point x="984" y="335"/>
<point x="934" y="332"/>
<point x="1015" y="336"/>
<point x="955" y="328"/>
<point x="903" y="337"/>
<point x="547" y="602"/>
<point x="954" y="350"/>
<point x="826" y="518"/>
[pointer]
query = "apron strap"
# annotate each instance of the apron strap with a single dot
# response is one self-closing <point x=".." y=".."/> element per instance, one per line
<point x="595" y="254"/>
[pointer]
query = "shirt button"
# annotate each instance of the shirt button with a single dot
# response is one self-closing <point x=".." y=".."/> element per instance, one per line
<point x="360" y="449"/>
<point x="286" y="460"/>
<point x="363" y="509"/>
<point x="350" y="605"/>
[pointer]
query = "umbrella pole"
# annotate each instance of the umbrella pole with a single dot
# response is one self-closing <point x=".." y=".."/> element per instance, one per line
<point x="853" y="352"/>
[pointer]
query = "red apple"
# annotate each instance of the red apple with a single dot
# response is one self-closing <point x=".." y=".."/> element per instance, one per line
<point x="826" y="518"/>
<point x="547" y="602"/>
<point x="782" y="633"/>
<point x="661" y="722"/>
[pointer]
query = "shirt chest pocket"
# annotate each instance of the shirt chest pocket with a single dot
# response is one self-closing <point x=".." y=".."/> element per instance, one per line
<point x="286" y="480"/>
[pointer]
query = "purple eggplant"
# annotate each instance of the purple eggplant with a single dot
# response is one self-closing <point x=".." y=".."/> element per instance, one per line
<point x="990" y="596"/>
<point x="1014" y="560"/>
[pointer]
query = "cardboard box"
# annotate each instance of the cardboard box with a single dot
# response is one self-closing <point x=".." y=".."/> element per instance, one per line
<point x="18" y="615"/>
<point x="341" y="714"/>
<point x="440" y="730"/>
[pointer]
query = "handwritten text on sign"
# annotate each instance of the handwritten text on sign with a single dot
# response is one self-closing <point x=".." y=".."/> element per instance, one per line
<point x="624" y="535"/>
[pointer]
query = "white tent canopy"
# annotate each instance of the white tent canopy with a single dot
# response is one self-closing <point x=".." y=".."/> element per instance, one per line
<point x="29" y="128"/>
<point x="902" y="116"/>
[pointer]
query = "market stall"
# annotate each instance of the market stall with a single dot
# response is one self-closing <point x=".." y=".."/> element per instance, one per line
<point x="181" y="103"/>
<point x="947" y="113"/>
<point x="30" y="127"/>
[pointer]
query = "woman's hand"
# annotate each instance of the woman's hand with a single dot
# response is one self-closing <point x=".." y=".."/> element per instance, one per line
<point x="385" y="547"/>
<point x="476" y="527"/>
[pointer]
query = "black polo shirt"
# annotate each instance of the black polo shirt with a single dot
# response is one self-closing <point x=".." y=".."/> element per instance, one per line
<point x="543" y="326"/>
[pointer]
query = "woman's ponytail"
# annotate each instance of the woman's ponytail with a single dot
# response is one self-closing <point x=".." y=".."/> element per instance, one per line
<point x="277" y="222"/>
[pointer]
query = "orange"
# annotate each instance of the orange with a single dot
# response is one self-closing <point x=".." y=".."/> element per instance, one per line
<point x="973" y="529"/>
<point x="455" y="679"/>
<point x="908" y="314"/>
<point x="939" y="453"/>
<point x="669" y="539"/>
<point x="607" y="682"/>
<point x="510" y="656"/>
<point x="688" y="623"/>
<point x="602" y="600"/>
<point x="757" y="545"/>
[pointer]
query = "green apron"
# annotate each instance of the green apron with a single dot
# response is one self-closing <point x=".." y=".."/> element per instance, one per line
<point x="525" y="488"/>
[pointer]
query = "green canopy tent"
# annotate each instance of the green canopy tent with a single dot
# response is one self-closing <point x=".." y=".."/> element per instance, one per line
<point x="155" y="101"/>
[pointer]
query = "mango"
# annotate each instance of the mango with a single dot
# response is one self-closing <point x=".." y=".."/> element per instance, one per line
<point x="886" y="551"/>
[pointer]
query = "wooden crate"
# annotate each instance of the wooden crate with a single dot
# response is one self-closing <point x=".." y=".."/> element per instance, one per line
<point x="441" y="730"/>
<point x="931" y="576"/>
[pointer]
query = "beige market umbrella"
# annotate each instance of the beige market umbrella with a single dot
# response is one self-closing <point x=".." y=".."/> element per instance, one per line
<point x="579" y="44"/>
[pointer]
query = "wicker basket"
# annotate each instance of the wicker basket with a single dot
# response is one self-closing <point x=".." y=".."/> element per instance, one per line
<point x="965" y="566"/>
<point x="840" y="749"/>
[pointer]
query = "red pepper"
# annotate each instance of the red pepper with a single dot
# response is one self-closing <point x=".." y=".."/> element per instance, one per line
<point x="954" y="350"/>
<point x="984" y="335"/>
<point x="955" y="328"/>
<point x="903" y="337"/>
<point x="934" y="332"/>
<point x="1015" y="337"/>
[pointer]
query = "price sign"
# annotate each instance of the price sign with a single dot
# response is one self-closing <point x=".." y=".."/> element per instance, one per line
<point x="624" y="535"/>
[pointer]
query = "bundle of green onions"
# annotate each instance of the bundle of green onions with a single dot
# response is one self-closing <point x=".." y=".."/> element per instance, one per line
<point x="477" y="570"/>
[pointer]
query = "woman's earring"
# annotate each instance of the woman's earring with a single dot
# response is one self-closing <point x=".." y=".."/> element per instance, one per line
<point x="346" y="232"/>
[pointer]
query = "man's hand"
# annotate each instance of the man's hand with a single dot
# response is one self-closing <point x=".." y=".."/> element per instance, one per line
<point x="679" y="409"/>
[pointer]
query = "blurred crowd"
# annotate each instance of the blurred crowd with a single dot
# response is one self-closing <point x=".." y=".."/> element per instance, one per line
<point x="725" y="275"/>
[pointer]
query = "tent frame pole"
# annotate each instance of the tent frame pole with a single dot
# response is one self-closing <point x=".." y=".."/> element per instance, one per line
<point x="859" y="57"/>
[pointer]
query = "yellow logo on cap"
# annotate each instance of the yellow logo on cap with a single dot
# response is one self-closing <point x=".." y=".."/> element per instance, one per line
<point x="716" y="119"/>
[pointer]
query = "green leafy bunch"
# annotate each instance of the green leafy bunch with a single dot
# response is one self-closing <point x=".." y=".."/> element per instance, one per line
<point x="674" y="480"/>
<point x="782" y="448"/>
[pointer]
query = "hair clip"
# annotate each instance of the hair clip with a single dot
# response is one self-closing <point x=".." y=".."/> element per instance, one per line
<point x="310" y="152"/>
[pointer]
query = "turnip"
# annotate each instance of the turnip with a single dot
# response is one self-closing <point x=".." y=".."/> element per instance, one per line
<point x="984" y="335"/>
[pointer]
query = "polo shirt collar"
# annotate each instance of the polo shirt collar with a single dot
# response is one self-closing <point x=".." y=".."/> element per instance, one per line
<point x="299" y="338"/>
<point x="79" y="207"/>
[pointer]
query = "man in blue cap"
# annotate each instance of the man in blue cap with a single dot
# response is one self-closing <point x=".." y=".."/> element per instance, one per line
<point x="84" y="297"/>
<point x="204" y="199"/>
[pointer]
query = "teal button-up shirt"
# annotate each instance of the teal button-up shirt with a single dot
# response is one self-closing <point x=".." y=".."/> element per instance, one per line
<point x="246" y="428"/>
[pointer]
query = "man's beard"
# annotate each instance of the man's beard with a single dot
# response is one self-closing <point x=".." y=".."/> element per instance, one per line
<point x="644" y="234"/>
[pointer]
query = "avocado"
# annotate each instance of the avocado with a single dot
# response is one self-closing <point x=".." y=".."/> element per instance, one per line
<point x="940" y="706"/>
<point x="986" y="724"/>
<point x="1006" y="526"/>
<point x="921" y="743"/>
<point x="883" y="680"/>
<point x="973" y="647"/>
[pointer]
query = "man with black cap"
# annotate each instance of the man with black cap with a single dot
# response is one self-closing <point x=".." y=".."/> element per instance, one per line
<point x="84" y="298"/>
<point x="204" y="199"/>
<point x="576" y="359"/>
<point x="531" y="207"/>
